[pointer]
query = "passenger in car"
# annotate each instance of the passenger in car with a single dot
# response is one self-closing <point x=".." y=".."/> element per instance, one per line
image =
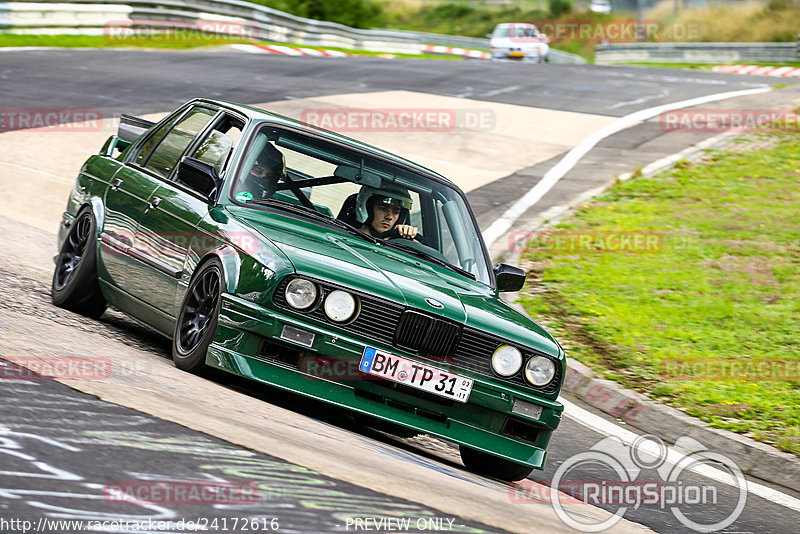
<point x="264" y="175"/>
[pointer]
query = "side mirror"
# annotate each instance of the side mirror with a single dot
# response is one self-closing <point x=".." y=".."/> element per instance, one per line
<point x="509" y="278"/>
<point x="199" y="176"/>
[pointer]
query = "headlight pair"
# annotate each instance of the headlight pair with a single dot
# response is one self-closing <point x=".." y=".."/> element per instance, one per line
<point x="339" y="306"/>
<point x="507" y="360"/>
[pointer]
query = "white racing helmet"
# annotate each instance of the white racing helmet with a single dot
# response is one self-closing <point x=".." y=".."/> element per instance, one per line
<point x="391" y="194"/>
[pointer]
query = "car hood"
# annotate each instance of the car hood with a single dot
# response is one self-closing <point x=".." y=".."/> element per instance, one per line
<point x="322" y="252"/>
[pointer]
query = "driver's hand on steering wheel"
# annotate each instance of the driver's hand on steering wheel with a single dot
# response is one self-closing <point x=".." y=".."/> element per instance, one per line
<point x="407" y="231"/>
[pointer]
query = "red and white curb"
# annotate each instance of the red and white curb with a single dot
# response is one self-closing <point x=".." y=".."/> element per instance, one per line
<point x="436" y="49"/>
<point x="759" y="70"/>
<point x="287" y="50"/>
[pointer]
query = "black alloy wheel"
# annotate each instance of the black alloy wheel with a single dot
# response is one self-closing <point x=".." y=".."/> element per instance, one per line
<point x="197" y="319"/>
<point x="75" y="285"/>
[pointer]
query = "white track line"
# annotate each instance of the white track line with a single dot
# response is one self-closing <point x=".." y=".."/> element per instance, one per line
<point x="605" y="427"/>
<point x="45" y="173"/>
<point x="504" y="223"/>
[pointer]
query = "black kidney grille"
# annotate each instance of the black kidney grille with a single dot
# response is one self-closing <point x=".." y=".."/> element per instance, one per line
<point x="427" y="335"/>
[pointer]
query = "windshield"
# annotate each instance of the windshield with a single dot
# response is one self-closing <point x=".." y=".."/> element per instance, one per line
<point x="287" y="171"/>
<point x="516" y="31"/>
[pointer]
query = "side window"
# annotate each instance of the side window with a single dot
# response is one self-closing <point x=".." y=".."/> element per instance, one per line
<point x="217" y="147"/>
<point x="415" y="215"/>
<point x="152" y="142"/>
<point x="166" y="155"/>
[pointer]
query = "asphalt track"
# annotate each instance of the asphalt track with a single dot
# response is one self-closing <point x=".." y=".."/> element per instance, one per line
<point x="145" y="82"/>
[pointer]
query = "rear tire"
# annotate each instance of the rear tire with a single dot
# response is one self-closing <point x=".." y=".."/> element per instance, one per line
<point x="74" y="285"/>
<point x="197" y="319"/>
<point x="485" y="464"/>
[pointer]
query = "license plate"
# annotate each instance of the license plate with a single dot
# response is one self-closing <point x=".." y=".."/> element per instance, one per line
<point x="516" y="54"/>
<point x="415" y="374"/>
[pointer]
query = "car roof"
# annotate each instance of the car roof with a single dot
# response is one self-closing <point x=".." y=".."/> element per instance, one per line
<point x="506" y="24"/>
<point x="261" y="115"/>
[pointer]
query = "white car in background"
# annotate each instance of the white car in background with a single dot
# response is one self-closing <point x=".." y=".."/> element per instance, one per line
<point x="519" y="40"/>
<point x="600" y="6"/>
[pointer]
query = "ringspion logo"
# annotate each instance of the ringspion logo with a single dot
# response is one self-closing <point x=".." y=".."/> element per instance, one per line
<point x="617" y="481"/>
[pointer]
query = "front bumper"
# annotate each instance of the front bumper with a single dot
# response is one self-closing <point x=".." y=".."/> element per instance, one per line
<point x="534" y="54"/>
<point x="248" y="343"/>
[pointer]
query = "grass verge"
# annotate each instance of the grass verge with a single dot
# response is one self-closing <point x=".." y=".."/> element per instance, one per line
<point x="708" y="320"/>
<point x="96" y="41"/>
<point x="100" y="41"/>
<point x="706" y="66"/>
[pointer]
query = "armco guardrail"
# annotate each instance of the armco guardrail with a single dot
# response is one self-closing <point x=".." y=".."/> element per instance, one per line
<point x="696" y="53"/>
<point x="557" y="56"/>
<point x="95" y="17"/>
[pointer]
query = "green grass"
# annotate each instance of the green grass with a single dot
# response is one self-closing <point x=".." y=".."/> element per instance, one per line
<point x="100" y="41"/>
<point x="706" y="66"/>
<point x="87" y="41"/>
<point x="724" y="289"/>
<point x="743" y="22"/>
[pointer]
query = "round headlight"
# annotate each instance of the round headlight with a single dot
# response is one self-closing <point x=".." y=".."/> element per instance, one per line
<point x="540" y="370"/>
<point x="339" y="306"/>
<point x="301" y="293"/>
<point x="506" y="360"/>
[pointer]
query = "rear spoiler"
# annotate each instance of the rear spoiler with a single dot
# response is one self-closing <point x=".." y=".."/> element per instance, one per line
<point x="130" y="127"/>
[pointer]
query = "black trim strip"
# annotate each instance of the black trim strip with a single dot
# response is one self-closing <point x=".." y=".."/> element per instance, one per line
<point x="154" y="263"/>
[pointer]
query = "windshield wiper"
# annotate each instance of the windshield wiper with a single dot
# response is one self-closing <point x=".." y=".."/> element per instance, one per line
<point x="430" y="257"/>
<point x="304" y="210"/>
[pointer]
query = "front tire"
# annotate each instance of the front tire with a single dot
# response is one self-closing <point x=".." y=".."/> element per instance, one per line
<point x="492" y="466"/>
<point x="75" y="285"/>
<point x="197" y="319"/>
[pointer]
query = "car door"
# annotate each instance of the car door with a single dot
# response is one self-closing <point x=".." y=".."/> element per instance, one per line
<point x="125" y="200"/>
<point x="168" y="227"/>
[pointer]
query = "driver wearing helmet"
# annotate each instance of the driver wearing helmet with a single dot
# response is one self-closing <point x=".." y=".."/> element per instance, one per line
<point x="384" y="213"/>
<point x="262" y="180"/>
